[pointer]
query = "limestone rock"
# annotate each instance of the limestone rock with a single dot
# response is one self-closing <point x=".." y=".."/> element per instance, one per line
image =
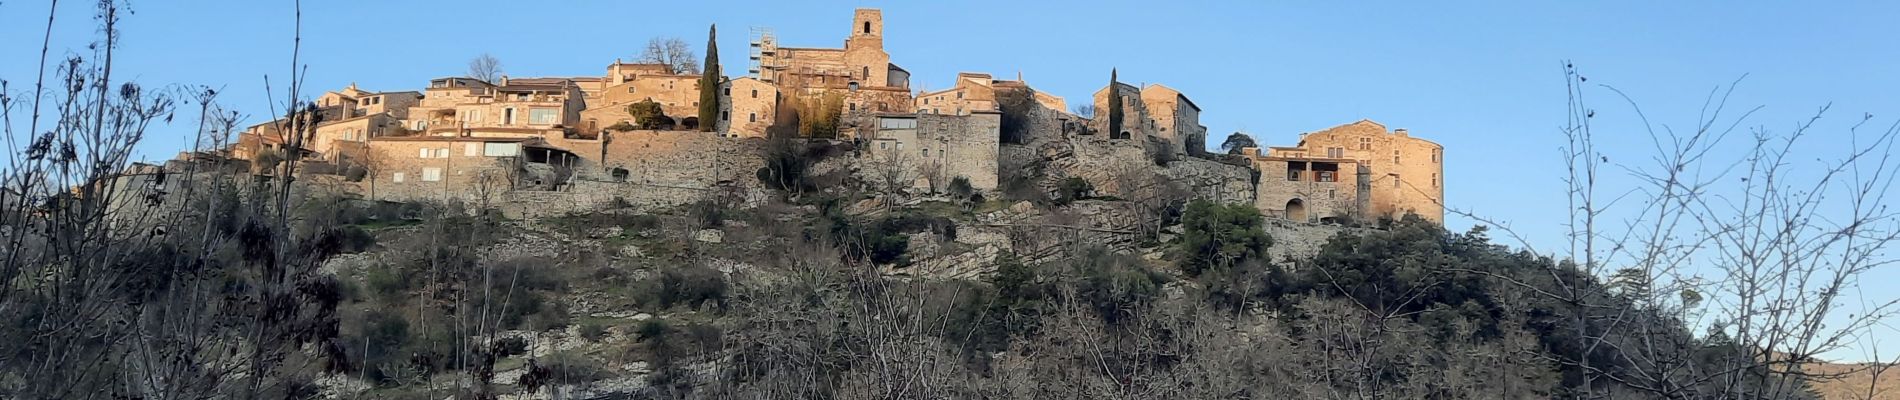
<point x="632" y="251"/>
<point x="709" y="236"/>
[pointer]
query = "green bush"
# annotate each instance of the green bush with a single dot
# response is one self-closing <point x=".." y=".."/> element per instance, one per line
<point x="593" y="331"/>
<point x="1117" y="286"/>
<point x="651" y="329"/>
<point x="1220" y="236"/>
<point x="649" y="115"/>
<point x="960" y="189"/>
<point x="691" y="286"/>
<point x="1072" y="189"/>
<point x="510" y="346"/>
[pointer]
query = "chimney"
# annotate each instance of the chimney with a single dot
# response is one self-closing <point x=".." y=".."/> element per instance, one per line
<point x="504" y="81"/>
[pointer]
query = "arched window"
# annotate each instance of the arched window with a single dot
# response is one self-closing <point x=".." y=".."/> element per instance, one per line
<point x="867" y="27"/>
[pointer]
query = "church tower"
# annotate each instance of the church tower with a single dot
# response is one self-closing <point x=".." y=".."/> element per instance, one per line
<point x="867" y="29"/>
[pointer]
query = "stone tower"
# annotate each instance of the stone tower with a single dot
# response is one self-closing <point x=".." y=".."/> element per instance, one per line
<point x="867" y="28"/>
<point x="864" y="49"/>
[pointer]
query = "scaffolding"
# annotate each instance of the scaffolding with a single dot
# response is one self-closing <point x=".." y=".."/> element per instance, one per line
<point x="763" y="57"/>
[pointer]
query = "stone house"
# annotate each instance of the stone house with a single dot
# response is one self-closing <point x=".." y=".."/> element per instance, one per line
<point x="455" y="106"/>
<point x="748" y="106"/>
<point x="972" y="92"/>
<point x="1153" y="113"/>
<point x="1177" y="120"/>
<point x="938" y="146"/>
<point x="469" y="168"/>
<point x="978" y="91"/>
<point x="346" y="118"/>
<point x="1136" y="124"/>
<point x="626" y="83"/>
<point x="1398" y="173"/>
<point x="1302" y="188"/>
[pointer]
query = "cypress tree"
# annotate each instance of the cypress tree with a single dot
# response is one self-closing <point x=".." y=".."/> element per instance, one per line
<point x="709" y="84"/>
<point x="1114" y="107"/>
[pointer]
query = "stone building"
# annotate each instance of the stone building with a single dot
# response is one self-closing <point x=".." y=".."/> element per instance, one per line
<point x="434" y="167"/>
<point x="1136" y="124"/>
<point x="861" y="72"/>
<point x="748" y="106"/>
<point x="1308" y="189"/>
<point x="628" y="83"/>
<point x="346" y="118"/>
<point x="471" y="107"/>
<point x="1176" y="119"/>
<point x="972" y="92"/>
<point x="1153" y="113"/>
<point x="361" y="102"/>
<point x="940" y="147"/>
<point x="746" y="114"/>
<point x="1395" y="173"/>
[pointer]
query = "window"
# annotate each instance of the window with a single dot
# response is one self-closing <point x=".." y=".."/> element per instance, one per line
<point x="959" y="95"/>
<point x="900" y="145"/>
<point x="397" y="177"/>
<point x="1335" y="152"/>
<point x="725" y="115"/>
<point x="431" y="174"/>
<point x="897" y="123"/>
<point x="1435" y="153"/>
<point x="1434" y="180"/>
<point x="755" y="93"/>
<point x="883" y="145"/>
<point x="867" y="72"/>
<point x="442" y="152"/>
<point x="542" y="116"/>
<point x="508" y="116"/>
<point x="1395" y="157"/>
<point x="728" y="92"/>
<point x="1331" y="192"/>
<point x="752" y="117"/>
<point x="1365" y="143"/>
<point x="629" y="89"/>
<point x="1395" y="180"/>
<point x="926" y="152"/>
<point x="501" y="149"/>
<point x="1327" y="176"/>
<point x="472" y="115"/>
<point x="424" y="153"/>
<point x="472" y="149"/>
<point x="854" y="106"/>
<point x="1293" y="173"/>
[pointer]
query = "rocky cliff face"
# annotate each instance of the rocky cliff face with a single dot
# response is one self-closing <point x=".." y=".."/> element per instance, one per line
<point x="1118" y="167"/>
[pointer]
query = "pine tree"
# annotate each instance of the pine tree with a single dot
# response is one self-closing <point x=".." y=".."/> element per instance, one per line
<point x="1114" y="107"/>
<point x="709" y="84"/>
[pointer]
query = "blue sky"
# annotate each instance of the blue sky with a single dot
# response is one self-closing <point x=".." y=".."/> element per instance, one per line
<point x="1481" y="78"/>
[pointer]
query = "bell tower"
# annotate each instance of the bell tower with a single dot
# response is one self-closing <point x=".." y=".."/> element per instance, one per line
<point x="867" y="29"/>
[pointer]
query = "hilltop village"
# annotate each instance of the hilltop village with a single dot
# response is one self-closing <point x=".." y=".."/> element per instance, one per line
<point x="542" y="146"/>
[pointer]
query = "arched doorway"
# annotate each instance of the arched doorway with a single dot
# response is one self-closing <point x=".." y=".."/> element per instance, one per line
<point x="690" y="123"/>
<point x="1296" y="210"/>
